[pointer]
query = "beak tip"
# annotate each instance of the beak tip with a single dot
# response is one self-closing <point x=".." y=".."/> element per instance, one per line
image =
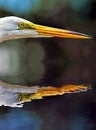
<point x="89" y="37"/>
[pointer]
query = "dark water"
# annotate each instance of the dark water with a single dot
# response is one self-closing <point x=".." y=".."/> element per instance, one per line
<point x="45" y="62"/>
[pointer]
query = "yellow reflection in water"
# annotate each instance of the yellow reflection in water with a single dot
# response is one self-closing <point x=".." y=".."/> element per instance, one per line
<point x="16" y="95"/>
<point x="52" y="91"/>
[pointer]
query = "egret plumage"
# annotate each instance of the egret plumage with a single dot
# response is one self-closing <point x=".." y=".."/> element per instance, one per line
<point x="14" y="28"/>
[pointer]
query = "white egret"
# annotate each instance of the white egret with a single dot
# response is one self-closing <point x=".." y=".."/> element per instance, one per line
<point x="14" y="28"/>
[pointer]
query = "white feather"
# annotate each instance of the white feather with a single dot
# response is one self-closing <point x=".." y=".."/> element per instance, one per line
<point x="10" y="23"/>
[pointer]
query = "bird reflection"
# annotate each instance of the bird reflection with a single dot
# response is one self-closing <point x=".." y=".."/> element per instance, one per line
<point x="16" y="95"/>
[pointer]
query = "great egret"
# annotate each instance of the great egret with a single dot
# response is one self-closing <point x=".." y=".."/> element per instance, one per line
<point x="14" y="28"/>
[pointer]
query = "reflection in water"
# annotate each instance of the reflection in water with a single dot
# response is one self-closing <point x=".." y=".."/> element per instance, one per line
<point x="19" y="63"/>
<point x="16" y="120"/>
<point x="16" y="95"/>
<point x="9" y="94"/>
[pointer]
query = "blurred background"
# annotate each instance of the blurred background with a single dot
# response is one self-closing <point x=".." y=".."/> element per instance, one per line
<point x="52" y="61"/>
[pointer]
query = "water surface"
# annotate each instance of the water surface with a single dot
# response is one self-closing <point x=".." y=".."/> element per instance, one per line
<point x="46" y="63"/>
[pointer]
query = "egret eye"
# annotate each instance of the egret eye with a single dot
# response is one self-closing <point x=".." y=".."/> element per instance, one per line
<point x="21" y="24"/>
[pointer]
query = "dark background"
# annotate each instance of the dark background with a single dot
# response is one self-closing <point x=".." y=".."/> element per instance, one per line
<point x="53" y="62"/>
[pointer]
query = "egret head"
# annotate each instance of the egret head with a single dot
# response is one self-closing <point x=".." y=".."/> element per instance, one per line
<point x="14" y="28"/>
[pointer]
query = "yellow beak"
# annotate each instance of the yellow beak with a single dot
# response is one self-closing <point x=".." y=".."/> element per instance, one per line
<point x="55" y="32"/>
